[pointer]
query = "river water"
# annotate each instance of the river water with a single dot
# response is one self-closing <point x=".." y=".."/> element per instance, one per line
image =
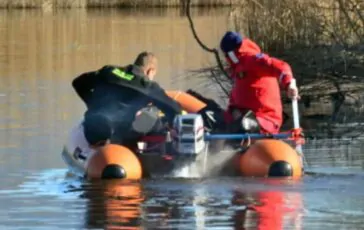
<point x="41" y="52"/>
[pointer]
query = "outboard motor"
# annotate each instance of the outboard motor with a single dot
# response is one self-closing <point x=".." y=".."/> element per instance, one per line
<point x="188" y="139"/>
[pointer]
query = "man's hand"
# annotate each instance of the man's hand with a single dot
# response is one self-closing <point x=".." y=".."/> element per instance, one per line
<point x="292" y="91"/>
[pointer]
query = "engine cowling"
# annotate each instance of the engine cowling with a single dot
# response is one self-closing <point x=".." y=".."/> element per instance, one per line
<point x="188" y="135"/>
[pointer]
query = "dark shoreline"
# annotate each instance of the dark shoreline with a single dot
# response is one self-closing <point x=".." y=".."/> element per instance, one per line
<point x="122" y="4"/>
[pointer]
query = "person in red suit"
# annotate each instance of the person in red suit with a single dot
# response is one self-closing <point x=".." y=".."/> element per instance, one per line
<point x="255" y="99"/>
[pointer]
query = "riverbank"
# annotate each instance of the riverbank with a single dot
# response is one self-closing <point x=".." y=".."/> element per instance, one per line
<point x="46" y="4"/>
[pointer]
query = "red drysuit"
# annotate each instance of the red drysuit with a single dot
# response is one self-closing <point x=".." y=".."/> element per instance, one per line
<point x="256" y="84"/>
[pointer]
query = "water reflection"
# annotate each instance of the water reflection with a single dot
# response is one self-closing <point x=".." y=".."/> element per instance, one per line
<point x="268" y="209"/>
<point x="167" y="205"/>
<point x="223" y="203"/>
<point x="113" y="203"/>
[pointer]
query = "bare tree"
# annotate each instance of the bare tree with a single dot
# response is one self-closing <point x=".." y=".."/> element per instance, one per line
<point x="211" y="50"/>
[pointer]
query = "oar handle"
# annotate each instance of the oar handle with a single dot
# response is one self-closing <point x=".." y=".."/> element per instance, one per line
<point x="246" y="136"/>
<point x="296" y="117"/>
<point x="296" y="121"/>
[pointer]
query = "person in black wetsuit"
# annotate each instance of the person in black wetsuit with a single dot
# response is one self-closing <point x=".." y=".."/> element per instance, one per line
<point x="114" y="95"/>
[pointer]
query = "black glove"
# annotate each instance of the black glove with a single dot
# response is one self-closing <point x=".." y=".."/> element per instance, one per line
<point x="212" y="114"/>
<point x="213" y="120"/>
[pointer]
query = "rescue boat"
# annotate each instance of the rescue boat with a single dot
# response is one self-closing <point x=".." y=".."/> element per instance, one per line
<point x="187" y="148"/>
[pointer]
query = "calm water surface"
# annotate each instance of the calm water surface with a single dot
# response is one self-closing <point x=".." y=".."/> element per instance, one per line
<point x="41" y="52"/>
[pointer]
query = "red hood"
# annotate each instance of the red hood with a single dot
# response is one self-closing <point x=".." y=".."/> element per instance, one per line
<point x="248" y="47"/>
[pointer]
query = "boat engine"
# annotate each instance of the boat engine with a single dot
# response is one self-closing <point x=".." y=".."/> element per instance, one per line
<point x="188" y="136"/>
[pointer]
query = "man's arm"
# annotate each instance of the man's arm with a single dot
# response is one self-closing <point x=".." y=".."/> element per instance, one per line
<point x="84" y="85"/>
<point x="266" y="65"/>
<point x="150" y="89"/>
<point x="161" y="100"/>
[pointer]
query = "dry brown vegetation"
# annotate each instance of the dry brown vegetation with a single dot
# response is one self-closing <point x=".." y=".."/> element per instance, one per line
<point x="323" y="42"/>
<point x="49" y="4"/>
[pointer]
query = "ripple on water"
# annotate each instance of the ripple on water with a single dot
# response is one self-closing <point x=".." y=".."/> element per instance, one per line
<point x="52" y="200"/>
<point x="42" y="201"/>
<point x="46" y="183"/>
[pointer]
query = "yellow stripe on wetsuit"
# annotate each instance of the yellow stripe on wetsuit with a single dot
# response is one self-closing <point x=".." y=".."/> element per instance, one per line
<point x="161" y="114"/>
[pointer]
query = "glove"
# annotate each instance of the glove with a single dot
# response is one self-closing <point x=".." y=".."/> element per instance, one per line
<point x="213" y="120"/>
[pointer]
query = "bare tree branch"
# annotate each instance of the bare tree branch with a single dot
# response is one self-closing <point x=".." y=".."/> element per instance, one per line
<point x="213" y="50"/>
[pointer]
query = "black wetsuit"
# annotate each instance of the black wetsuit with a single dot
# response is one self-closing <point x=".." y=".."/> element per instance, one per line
<point x="117" y="93"/>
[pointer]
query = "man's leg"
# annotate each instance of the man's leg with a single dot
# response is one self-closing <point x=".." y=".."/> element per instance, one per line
<point x="97" y="128"/>
<point x="241" y="122"/>
<point x="268" y="126"/>
<point x="110" y="124"/>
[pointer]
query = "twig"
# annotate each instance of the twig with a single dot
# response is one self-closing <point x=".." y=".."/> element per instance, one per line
<point x="213" y="50"/>
<point x="219" y="83"/>
<point x="346" y="14"/>
<point x="274" y="18"/>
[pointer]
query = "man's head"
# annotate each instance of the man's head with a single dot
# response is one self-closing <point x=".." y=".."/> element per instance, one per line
<point x="147" y="61"/>
<point x="229" y="43"/>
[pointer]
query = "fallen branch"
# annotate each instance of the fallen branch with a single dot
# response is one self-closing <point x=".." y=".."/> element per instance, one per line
<point x="213" y="50"/>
